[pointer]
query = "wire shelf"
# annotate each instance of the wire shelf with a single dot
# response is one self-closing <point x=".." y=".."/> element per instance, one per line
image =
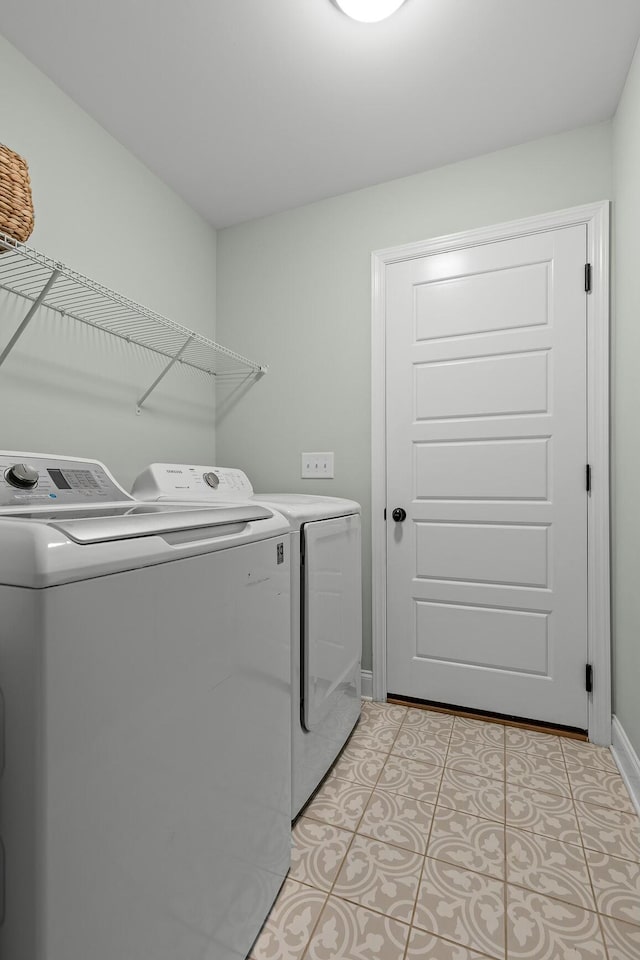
<point x="46" y="283"/>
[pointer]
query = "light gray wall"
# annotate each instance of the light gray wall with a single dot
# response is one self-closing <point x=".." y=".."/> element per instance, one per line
<point x="66" y="388"/>
<point x="626" y="408"/>
<point x="294" y="291"/>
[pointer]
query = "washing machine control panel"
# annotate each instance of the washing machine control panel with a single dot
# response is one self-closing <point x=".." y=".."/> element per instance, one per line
<point x="182" y="481"/>
<point x="33" y="480"/>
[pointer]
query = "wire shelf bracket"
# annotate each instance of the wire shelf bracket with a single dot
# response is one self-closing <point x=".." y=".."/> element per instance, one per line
<point x="162" y="375"/>
<point x="46" y="283"/>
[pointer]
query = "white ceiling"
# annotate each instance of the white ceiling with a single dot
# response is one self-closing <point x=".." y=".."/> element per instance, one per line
<point x="247" y="107"/>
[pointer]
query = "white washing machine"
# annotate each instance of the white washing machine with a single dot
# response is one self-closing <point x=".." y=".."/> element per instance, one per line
<point x="326" y="606"/>
<point x="144" y="671"/>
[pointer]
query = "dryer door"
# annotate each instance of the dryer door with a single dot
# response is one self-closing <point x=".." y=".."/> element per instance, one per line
<point x="331" y="616"/>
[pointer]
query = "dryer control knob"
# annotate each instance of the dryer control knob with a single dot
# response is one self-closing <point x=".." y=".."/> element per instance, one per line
<point x="22" y="475"/>
<point x="211" y="479"/>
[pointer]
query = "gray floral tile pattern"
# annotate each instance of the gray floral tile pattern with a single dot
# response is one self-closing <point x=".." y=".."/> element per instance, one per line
<point x="360" y="765"/>
<point x="599" y="786"/>
<point x="622" y="939"/>
<point x="539" y="928"/>
<point x="467" y="793"/>
<point x="411" y="779"/>
<point x="519" y="740"/>
<point x="380" y="877"/>
<point x="318" y="852"/>
<point x="416" y="743"/>
<point x="467" y="842"/>
<point x="609" y="831"/>
<point x="465" y="907"/>
<point x="424" y="946"/>
<point x="287" y="931"/>
<point x="471" y="757"/>
<point x="383" y="713"/>
<point x="617" y="886"/>
<point x="380" y="738"/>
<point x="428" y="721"/>
<point x="348" y="932"/>
<point x="339" y="802"/>
<point x="538" y="773"/>
<point x="398" y="820"/>
<point x="381" y="725"/>
<point x="447" y="838"/>
<point x="588" y="754"/>
<point x="555" y="869"/>
<point x="548" y="814"/>
<point x="477" y="731"/>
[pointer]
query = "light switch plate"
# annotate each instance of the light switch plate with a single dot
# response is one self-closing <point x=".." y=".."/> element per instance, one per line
<point x="316" y="465"/>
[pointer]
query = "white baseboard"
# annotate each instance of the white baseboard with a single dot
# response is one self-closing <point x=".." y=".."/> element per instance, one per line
<point x="367" y="684"/>
<point x="627" y="760"/>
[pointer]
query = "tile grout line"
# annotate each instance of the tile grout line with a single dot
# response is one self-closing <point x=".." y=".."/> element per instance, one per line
<point x="504" y="841"/>
<point x="402" y="923"/>
<point x="445" y="768"/>
<point x="315" y="926"/>
<point x="409" y="924"/>
<point x="543" y="789"/>
<point x="506" y="784"/>
<point x="586" y="860"/>
<point x="428" y="841"/>
<point x="507" y="884"/>
<point x="362" y="817"/>
<point x="503" y="821"/>
<point x="519" y="886"/>
<point x="595" y="911"/>
<point x="354" y="833"/>
<point x="619" y="807"/>
<point x="329" y="892"/>
<point x="564" y="796"/>
<point x="604" y="853"/>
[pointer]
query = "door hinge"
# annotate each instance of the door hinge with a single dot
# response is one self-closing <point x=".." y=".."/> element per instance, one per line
<point x="385" y="513"/>
<point x="588" y="477"/>
<point x="588" y="678"/>
<point x="587" y="278"/>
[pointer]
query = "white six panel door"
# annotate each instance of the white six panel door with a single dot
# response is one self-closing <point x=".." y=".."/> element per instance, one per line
<point x="487" y="451"/>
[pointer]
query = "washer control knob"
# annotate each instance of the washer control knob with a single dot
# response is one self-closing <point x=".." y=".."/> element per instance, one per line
<point x="211" y="479"/>
<point x="22" y="475"/>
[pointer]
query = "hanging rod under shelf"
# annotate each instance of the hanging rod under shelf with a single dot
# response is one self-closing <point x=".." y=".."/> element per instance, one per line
<point x="46" y="283"/>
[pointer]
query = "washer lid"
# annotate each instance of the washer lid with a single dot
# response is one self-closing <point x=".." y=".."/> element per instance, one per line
<point x="117" y="522"/>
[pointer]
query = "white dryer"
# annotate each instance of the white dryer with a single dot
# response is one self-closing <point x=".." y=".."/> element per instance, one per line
<point x="326" y="606"/>
<point x="144" y="670"/>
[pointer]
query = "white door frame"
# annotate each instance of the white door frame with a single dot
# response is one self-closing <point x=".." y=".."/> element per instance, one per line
<point x="596" y="218"/>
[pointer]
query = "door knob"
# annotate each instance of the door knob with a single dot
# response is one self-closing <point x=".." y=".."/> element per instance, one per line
<point x="399" y="514"/>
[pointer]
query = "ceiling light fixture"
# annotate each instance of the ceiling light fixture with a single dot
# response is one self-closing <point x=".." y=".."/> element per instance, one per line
<point x="369" y="11"/>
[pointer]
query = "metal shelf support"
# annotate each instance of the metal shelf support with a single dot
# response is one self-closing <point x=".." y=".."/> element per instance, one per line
<point x="163" y="374"/>
<point x="29" y="316"/>
<point x="43" y="282"/>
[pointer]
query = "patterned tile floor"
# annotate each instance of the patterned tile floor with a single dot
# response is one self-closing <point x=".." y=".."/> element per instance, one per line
<point x="441" y="838"/>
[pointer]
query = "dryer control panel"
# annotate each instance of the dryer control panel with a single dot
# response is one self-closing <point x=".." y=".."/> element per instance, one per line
<point x="181" y="481"/>
<point x="31" y="479"/>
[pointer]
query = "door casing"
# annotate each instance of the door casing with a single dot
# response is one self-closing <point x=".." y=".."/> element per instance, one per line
<point x="595" y="217"/>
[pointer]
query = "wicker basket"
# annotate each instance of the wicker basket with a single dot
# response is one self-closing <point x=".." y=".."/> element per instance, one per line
<point x="16" y="205"/>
